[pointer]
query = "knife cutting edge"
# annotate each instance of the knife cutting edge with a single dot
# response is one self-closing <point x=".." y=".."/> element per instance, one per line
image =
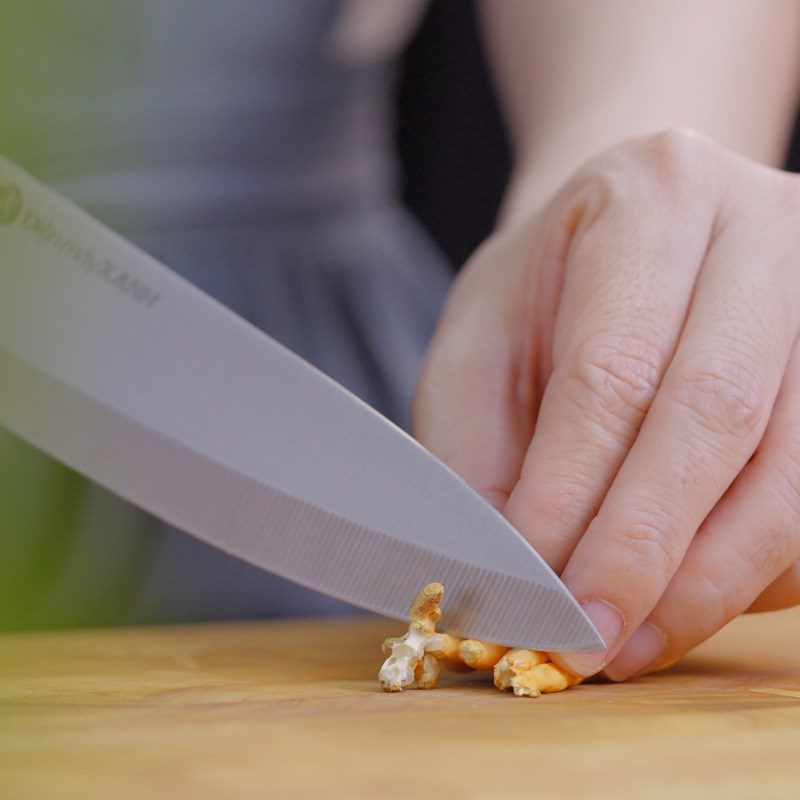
<point x="130" y="375"/>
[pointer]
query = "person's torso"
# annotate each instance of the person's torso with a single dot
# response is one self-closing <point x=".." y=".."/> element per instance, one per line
<point x="149" y="112"/>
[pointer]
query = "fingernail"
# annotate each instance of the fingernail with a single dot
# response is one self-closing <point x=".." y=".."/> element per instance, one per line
<point x="609" y="623"/>
<point x="644" y="648"/>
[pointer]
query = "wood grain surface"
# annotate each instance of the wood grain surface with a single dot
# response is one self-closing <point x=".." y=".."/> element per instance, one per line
<point x="292" y="709"/>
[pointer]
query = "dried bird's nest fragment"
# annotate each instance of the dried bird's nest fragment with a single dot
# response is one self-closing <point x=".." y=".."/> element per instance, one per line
<point x="529" y="673"/>
<point x="419" y="655"/>
<point x="416" y="654"/>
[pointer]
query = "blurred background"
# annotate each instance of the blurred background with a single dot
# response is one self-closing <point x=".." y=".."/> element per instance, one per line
<point x="451" y="135"/>
<point x="263" y="170"/>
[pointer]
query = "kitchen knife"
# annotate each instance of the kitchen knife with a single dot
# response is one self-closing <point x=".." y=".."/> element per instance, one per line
<point x="127" y="373"/>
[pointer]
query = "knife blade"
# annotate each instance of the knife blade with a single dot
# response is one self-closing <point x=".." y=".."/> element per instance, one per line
<point x="130" y="375"/>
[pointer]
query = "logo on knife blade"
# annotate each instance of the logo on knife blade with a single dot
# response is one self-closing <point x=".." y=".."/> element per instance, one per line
<point x="10" y="203"/>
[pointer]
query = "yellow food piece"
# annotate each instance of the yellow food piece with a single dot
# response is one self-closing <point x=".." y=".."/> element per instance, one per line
<point x="481" y="655"/>
<point x="427" y="672"/>
<point x="530" y="673"/>
<point x="445" y="647"/>
<point x="424" y="610"/>
<point x="415" y="656"/>
<point x="515" y="663"/>
<point x="418" y="656"/>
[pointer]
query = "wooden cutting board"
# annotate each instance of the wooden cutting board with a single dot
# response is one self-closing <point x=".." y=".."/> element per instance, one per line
<point x="292" y="709"/>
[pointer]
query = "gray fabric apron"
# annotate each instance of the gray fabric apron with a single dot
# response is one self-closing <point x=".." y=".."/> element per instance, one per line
<point x="226" y="140"/>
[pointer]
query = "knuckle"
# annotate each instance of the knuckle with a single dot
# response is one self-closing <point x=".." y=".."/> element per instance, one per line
<point x="614" y="178"/>
<point x="764" y="553"/>
<point x="669" y="164"/>
<point x="775" y="549"/>
<point x="650" y="544"/>
<point x="605" y="183"/>
<point x="781" y="468"/>
<point x="559" y="498"/>
<point x="714" y="595"/>
<point x="612" y="380"/>
<point x="724" y="398"/>
<point x="552" y="505"/>
<point x="676" y="153"/>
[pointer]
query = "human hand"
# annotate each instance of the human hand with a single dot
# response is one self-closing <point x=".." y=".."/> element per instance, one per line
<point x="646" y="321"/>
